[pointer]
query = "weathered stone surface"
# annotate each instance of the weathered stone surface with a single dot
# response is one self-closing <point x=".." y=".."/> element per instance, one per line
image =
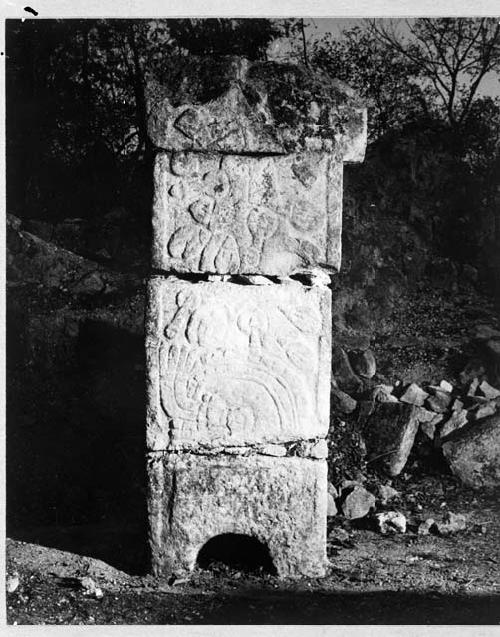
<point x="439" y="401"/>
<point x="280" y="501"/>
<point x="233" y="364"/>
<point x="230" y="104"/>
<point x="457" y="420"/>
<point x="473" y="453"/>
<point x="243" y="214"/>
<point x="364" y="363"/>
<point x="414" y="395"/>
<point x="391" y="522"/>
<point x="342" y="402"/>
<point x="357" y="502"/>
<point x="331" y="507"/>
<point x="451" y="523"/>
<point x="389" y="433"/>
<point x="488" y="391"/>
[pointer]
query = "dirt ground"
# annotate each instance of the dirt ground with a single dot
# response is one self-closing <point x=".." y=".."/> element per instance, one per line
<point x="373" y="578"/>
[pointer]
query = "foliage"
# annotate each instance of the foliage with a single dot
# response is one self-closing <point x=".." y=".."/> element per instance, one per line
<point x="387" y="79"/>
<point x="455" y="55"/>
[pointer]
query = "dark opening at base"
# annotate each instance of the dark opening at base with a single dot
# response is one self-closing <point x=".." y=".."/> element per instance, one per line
<point x="237" y="551"/>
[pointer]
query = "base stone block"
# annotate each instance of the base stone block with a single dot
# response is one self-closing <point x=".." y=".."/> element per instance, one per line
<point x="279" y="501"/>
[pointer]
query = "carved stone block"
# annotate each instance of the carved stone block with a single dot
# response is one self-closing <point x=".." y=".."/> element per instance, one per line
<point x="280" y="501"/>
<point x="251" y="215"/>
<point x="232" y="364"/>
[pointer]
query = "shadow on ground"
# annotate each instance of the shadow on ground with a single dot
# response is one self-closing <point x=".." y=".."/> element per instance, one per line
<point x="76" y="476"/>
<point x="264" y="607"/>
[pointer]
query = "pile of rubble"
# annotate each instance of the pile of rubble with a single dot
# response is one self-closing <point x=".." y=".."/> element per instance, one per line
<point x="462" y="422"/>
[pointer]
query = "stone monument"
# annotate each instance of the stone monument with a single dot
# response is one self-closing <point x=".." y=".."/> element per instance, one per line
<point x="247" y="223"/>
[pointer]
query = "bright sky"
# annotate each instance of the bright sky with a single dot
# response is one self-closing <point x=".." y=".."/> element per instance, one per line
<point x="319" y="26"/>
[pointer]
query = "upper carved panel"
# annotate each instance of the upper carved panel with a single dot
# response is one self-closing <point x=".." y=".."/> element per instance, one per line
<point x="230" y="214"/>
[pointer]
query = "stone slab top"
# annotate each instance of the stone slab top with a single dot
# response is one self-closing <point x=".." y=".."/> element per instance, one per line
<point x="229" y="104"/>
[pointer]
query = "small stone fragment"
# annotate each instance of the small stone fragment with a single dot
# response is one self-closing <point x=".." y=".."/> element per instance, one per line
<point x="389" y="432"/>
<point x="342" y="402"/>
<point x="332" y="491"/>
<point x="452" y="523"/>
<point x="474" y="384"/>
<point x="414" y="395"/>
<point x="12" y="582"/>
<point x="425" y="415"/>
<point x="364" y="363"/>
<point x="424" y="528"/>
<point x="446" y="386"/>
<point x="357" y="503"/>
<point x="429" y="429"/>
<point x="383" y="394"/>
<point x="485" y="410"/>
<point x="439" y="401"/>
<point x="89" y="587"/>
<point x="273" y="450"/>
<point x="391" y="522"/>
<point x="457" y="405"/>
<point x="488" y="391"/>
<point x="387" y="493"/>
<point x="457" y="419"/>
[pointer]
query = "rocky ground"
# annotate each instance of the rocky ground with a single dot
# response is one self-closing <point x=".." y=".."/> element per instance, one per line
<point x="428" y="553"/>
<point x="374" y="578"/>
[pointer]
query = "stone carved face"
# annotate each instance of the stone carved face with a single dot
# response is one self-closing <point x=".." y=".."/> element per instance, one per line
<point x="240" y="364"/>
<point x="238" y="214"/>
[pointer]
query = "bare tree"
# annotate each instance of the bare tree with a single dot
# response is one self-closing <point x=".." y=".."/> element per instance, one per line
<point x="455" y="55"/>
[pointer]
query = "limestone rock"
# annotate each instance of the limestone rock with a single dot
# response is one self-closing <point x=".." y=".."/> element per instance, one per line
<point x="389" y="433"/>
<point x="446" y="386"/>
<point x="439" y="401"/>
<point x="364" y="363"/>
<point x="342" y="402"/>
<point x="391" y="522"/>
<point x="488" y="391"/>
<point x="383" y="394"/>
<point x="424" y="528"/>
<point x="414" y="395"/>
<point x="451" y="523"/>
<point x="387" y="493"/>
<point x="233" y="364"/>
<point x="357" y="502"/>
<point x="473" y="453"/>
<point x="457" y="420"/>
<point x="280" y="501"/>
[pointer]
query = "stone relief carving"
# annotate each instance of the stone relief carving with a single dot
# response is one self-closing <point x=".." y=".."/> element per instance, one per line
<point x="238" y="214"/>
<point x="240" y="364"/>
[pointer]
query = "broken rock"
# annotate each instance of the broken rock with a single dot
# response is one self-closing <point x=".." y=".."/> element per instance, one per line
<point x="342" y="402"/>
<point x="389" y="433"/>
<point x="439" y="401"/>
<point x="452" y="523"/>
<point x="391" y="522"/>
<point x="414" y="395"/>
<point x="488" y="391"/>
<point x="473" y="453"/>
<point x="364" y="363"/>
<point x="387" y="493"/>
<point x="357" y="503"/>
